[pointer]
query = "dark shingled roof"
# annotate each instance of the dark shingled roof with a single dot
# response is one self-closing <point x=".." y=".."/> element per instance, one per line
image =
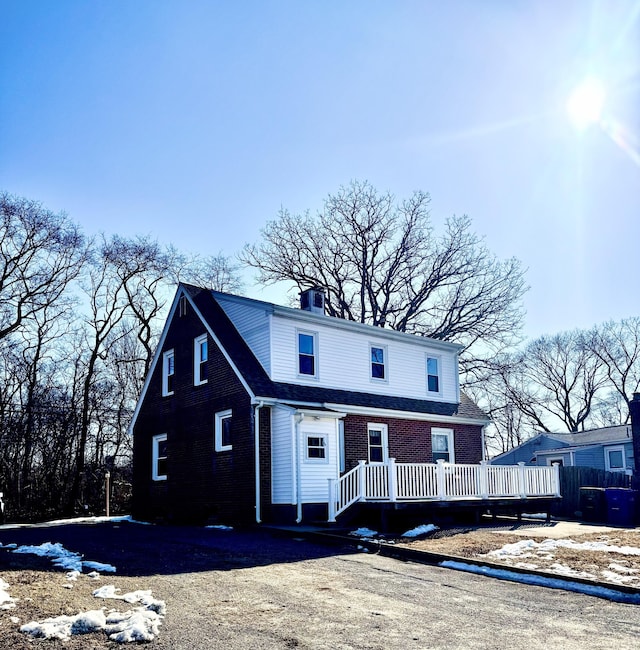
<point x="262" y="386"/>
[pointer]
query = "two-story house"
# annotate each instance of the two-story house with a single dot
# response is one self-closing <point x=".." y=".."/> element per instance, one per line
<point x="250" y="410"/>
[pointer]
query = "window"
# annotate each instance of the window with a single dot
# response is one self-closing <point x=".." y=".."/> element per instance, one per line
<point x="316" y="447"/>
<point x="159" y="458"/>
<point x="222" y="431"/>
<point x="168" y="372"/>
<point x="614" y="459"/>
<point x="433" y="374"/>
<point x="307" y="362"/>
<point x="378" y="362"/>
<point x="182" y="306"/>
<point x="377" y="434"/>
<point x="442" y="445"/>
<point x="200" y="358"/>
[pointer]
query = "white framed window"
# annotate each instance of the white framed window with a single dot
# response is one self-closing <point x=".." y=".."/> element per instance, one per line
<point x="614" y="459"/>
<point x="168" y="372"/>
<point x="200" y="358"/>
<point x="442" y="446"/>
<point x="159" y="457"/>
<point x="378" y="367"/>
<point x="182" y="306"/>
<point x="377" y="440"/>
<point x="555" y="460"/>
<point x="222" y="431"/>
<point x="434" y="380"/>
<point x="307" y="354"/>
<point x="316" y="447"/>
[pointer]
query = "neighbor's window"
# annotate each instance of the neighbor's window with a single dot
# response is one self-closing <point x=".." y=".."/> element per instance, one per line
<point x="222" y="431"/>
<point x="159" y="458"/>
<point x="316" y="447"/>
<point x="200" y="358"/>
<point x="182" y="306"/>
<point x="377" y="438"/>
<point x="614" y="457"/>
<point x="378" y="362"/>
<point x="168" y="372"/>
<point x="433" y="374"/>
<point x="307" y="354"/>
<point x="442" y="445"/>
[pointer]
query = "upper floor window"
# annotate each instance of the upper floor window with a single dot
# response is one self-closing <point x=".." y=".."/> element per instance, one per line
<point x="378" y="362"/>
<point x="433" y="374"/>
<point x="200" y="358"/>
<point x="377" y="440"/>
<point x="159" y="457"/>
<point x="307" y="354"/>
<point x="222" y="431"/>
<point x="168" y="372"/>
<point x="182" y="306"/>
<point x="442" y="445"/>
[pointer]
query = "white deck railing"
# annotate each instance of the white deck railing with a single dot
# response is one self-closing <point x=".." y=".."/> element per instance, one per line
<point x="439" y="481"/>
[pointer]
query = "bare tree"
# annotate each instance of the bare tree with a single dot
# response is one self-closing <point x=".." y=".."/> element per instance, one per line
<point x="218" y="272"/>
<point x="40" y="254"/>
<point x="381" y="262"/>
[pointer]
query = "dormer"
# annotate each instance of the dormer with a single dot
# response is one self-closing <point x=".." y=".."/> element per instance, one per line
<point x="312" y="300"/>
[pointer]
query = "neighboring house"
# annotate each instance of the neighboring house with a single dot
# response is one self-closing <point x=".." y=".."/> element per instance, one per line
<point x="249" y="408"/>
<point x="608" y="448"/>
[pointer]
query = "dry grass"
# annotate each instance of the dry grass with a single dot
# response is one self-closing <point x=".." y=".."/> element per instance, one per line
<point x="477" y="543"/>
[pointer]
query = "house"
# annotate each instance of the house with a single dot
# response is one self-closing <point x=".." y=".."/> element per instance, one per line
<point x="607" y="448"/>
<point x="257" y="412"/>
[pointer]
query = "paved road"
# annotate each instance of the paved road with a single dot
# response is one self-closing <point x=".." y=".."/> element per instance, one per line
<point x="250" y="590"/>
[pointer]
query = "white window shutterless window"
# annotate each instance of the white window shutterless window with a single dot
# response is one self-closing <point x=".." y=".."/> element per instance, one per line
<point x="307" y="354"/>
<point x="377" y="443"/>
<point x="200" y="358"/>
<point x="434" y="379"/>
<point x="159" y="457"/>
<point x="614" y="459"/>
<point x="168" y="372"/>
<point x="223" y="434"/>
<point x="316" y="447"/>
<point x="442" y="445"/>
<point x="378" y="368"/>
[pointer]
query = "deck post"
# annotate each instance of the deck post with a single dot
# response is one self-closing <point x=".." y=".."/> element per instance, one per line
<point x="522" y="480"/>
<point x="332" y="500"/>
<point x="556" y="478"/>
<point x="484" y="479"/>
<point x="362" y="479"/>
<point x="441" y="480"/>
<point x="393" y="479"/>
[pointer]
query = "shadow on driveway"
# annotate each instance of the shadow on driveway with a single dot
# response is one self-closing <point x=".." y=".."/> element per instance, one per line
<point x="140" y="550"/>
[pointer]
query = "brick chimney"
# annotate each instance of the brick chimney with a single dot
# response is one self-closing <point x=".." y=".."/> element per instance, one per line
<point x="634" y="410"/>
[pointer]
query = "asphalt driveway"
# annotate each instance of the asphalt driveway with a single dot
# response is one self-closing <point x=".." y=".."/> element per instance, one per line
<point x="253" y="589"/>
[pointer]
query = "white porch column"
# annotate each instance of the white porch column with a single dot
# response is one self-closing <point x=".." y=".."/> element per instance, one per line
<point x="332" y="500"/>
<point x="441" y="480"/>
<point x="393" y="479"/>
<point x="556" y="478"/>
<point x="484" y="479"/>
<point x="362" y="479"/>
<point x="522" y="480"/>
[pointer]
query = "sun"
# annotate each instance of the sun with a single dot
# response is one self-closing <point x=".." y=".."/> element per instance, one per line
<point x="586" y="103"/>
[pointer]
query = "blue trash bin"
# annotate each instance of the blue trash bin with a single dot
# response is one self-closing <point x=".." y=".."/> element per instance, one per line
<point x="621" y="506"/>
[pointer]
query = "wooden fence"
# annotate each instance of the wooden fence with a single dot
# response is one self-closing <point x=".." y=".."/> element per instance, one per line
<point x="574" y="478"/>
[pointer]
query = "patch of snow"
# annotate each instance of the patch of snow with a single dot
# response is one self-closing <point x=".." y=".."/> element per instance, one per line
<point x="67" y="585"/>
<point x="6" y="601"/>
<point x="143" y="597"/>
<point x="365" y="533"/>
<point x="14" y="619"/>
<point x="63" y="627"/>
<point x="94" y="575"/>
<point x="564" y="570"/>
<point x="220" y="527"/>
<point x="77" y="520"/>
<point x="364" y="549"/>
<point x="73" y="575"/>
<point x="63" y="558"/>
<point x="622" y="569"/>
<point x="523" y="548"/>
<point x="526" y="565"/>
<point x="420" y="530"/>
<point x="554" y="583"/>
<point x="612" y="576"/>
<point x="535" y="515"/>
<point x="99" y="566"/>
<point x="137" y="625"/>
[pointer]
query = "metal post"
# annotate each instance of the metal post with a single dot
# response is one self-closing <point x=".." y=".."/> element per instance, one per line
<point x="107" y="476"/>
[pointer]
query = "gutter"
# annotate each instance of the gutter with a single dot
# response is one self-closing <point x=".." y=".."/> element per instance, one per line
<point x="256" y="442"/>
<point x="298" y="417"/>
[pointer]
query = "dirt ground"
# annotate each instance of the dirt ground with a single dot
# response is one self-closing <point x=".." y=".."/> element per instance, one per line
<point x="593" y="564"/>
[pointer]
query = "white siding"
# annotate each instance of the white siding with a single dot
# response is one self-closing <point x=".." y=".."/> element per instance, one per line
<point x="282" y="456"/>
<point x="253" y="323"/>
<point x="314" y="474"/>
<point x="344" y="361"/>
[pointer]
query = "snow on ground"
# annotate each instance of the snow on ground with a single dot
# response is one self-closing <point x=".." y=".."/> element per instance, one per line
<point x="63" y="558"/>
<point x="424" y="529"/>
<point x="6" y="602"/>
<point x="530" y="548"/>
<point x="364" y="533"/>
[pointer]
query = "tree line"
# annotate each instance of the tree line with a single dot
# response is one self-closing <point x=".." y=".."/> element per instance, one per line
<point x="80" y="318"/>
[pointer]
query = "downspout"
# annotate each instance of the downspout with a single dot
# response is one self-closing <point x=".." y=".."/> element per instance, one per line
<point x="256" y="438"/>
<point x="482" y="441"/>
<point x="296" y="449"/>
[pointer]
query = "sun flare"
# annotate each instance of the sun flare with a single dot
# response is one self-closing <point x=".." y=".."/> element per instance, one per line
<point x="586" y="103"/>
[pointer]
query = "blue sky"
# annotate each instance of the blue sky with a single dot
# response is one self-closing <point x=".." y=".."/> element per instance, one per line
<point x="194" y="122"/>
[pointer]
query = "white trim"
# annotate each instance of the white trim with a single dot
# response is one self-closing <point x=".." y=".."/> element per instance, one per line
<point x="155" y="457"/>
<point x="198" y="360"/>
<point x="451" y="443"/>
<point x="219" y="417"/>
<point x="438" y="359"/>
<point x="166" y="356"/>
<point x="316" y="355"/>
<point x="324" y="445"/>
<point x="384" y="441"/>
<point x="607" y="460"/>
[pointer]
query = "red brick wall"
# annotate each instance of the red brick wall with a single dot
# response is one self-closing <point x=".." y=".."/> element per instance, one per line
<point x="410" y="440"/>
